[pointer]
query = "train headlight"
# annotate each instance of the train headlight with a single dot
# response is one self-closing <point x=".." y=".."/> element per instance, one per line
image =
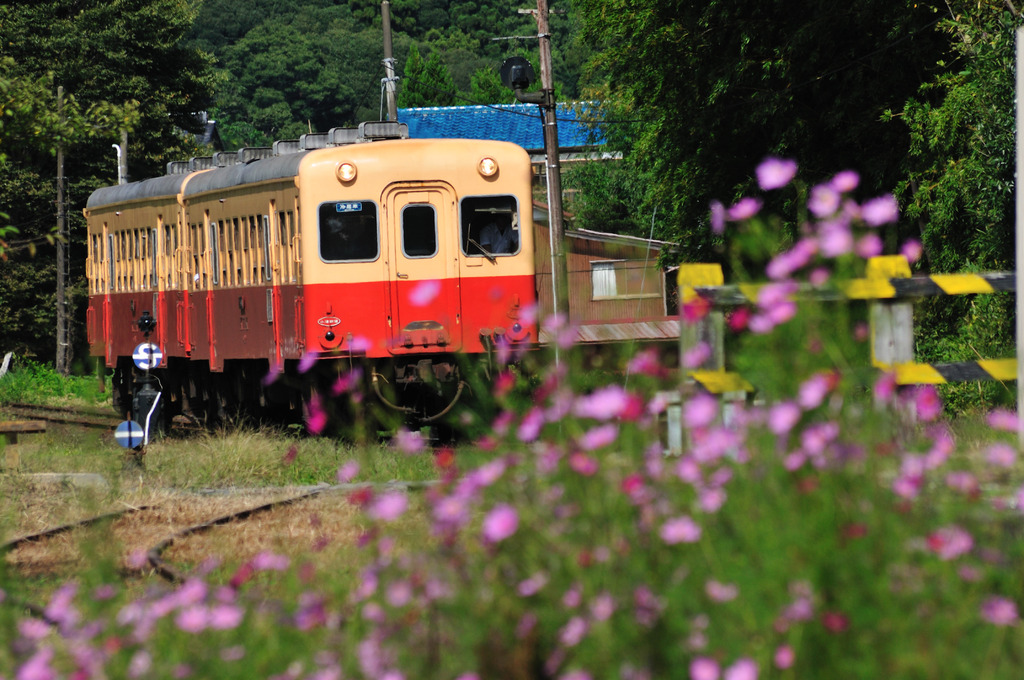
<point x="346" y="171"/>
<point x="488" y="167"/>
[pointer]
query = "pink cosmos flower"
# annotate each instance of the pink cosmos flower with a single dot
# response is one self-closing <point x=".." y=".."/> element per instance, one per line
<point x="348" y="472"/>
<point x="783" y="417"/>
<point x="316" y="418"/>
<point x="879" y="211"/>
<point x="907" y="486"/>
<point x="1004" y="420"/>
<point x="700" y="411"/>
<point x="835" y="239"/>
<point x="999" y="611"/>
<point x="604" y="403"/>
<point x="273" y="374"/>
<point x="529" y="428"/>
<point x="745" y="208"/>
<point x="704" y="668"/>
<point x="927" y="402"/>
<point x="824" y="201"/>
<point x="268" y="561"/>
<point x="225" y="616"/>
<point x="38" y="667"/>
<point x="962" y="481"/>
<point x="192" y="619"/>
<point x="680" y="530"/>
<point x="500" y="523"/>
<point x="573" y="631"/>
<point x="813" y="391"/>
<point x="532" y="585"/>
<point x="717" y="217"/>
<point x="602" y="607"/>
<point x="775" y="173"/>
<point x="1001" y="454"/>
<point x="388" y="506"/>
<point x="599" y="437"/>
<point x="697" y="355"/>
<point x="409" y="442"/>
<point x="307" y="361"/>
<point x="711" y="500"/>
<point x="399" y="593"/>
<point x="869" y="245"/>
<point x="784" y="657"/>
<point x="912" y="250"/>
<point x="845" y="181"/>
<point x="721" y="592"/>
<point x="424" y="292"/>
<point x="950" y="542"/>
<point x="582" y="464"/>
<point x="575" y="675"/>
<point x="743" y="669"/>
<point x="885" y="387"/>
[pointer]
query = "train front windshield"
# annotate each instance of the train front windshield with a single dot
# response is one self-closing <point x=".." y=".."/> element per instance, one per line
<point x="490" y="226"/>
<point x="348" y="231"/>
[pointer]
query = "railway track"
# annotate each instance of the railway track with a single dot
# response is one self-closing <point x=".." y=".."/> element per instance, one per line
<point x="62" y="414"/>
<point x="160" y="514"/>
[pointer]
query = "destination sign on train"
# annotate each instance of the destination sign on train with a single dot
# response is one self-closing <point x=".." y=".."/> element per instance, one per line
<point x="349" y="206"/>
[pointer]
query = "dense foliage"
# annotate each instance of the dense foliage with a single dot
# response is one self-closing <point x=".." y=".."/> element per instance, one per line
<point x="122" y="69"/>
<point x="697" y="93"/>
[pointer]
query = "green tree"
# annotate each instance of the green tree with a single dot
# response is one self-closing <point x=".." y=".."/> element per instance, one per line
<point x="122" y="67"/>
<point x="425" y="83"/>
<point x="281" y="80"/>
<point x="696" y="94"/>
<point x="486" y="88"/>
<point x="959" y="191"/>
<point x="960" y="184"/>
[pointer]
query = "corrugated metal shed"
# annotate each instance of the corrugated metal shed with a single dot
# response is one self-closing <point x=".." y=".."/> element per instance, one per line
<point x="594" y="333"/>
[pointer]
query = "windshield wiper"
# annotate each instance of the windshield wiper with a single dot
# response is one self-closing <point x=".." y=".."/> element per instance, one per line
<point x="490" y="258"/>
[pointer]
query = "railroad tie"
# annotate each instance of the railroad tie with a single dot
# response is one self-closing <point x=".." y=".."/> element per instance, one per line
<point x="10" y="431"/>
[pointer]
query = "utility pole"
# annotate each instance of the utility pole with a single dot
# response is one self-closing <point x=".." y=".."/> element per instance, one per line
<point x="63" y="363"/>
<point x="553" y="172"/>
<point x="389" y="63"/>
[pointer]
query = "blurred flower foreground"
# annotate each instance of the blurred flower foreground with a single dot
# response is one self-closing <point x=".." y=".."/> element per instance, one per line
<point x="831" y="525"/>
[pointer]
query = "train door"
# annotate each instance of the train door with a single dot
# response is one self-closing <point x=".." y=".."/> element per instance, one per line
<point x="421" y="224"/>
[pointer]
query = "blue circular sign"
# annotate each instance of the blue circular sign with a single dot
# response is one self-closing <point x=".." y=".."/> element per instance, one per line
<point x="147" y="356"/>
<point x="129" y="434"/>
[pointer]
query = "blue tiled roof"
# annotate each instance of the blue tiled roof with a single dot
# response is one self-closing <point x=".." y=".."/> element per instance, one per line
<point x="517" y="123"/>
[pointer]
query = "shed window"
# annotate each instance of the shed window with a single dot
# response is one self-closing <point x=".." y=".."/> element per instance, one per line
<point x="624" y="279"/>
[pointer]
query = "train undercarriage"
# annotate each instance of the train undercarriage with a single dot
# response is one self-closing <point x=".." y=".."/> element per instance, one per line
<point x="344" y="396"/>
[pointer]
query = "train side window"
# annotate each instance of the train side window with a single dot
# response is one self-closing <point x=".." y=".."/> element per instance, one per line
<point x="112" y="271"/>
<point x="419" y="231"/>
<point x="252" y="272"/>
<point x="240" y="249"/>
<point x="153" y="280"/>
<point x="265" y="235"/>
<point x="490" y="226"/>
<point x="348" y="231"/>
<point x="215" y="252"/>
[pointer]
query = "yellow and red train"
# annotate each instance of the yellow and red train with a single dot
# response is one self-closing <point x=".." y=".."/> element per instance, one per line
<point x="398" y="254"/>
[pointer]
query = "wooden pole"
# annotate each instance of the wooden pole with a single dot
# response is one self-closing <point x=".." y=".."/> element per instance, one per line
<point x="389" y="63"/>
<point x="553" y="172"/>
<point x="63" y="336"/>
<point x="1020" y="238"/>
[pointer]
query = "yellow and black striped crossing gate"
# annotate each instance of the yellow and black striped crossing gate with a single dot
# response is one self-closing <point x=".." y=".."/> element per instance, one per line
<point x="888" y="281"/>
